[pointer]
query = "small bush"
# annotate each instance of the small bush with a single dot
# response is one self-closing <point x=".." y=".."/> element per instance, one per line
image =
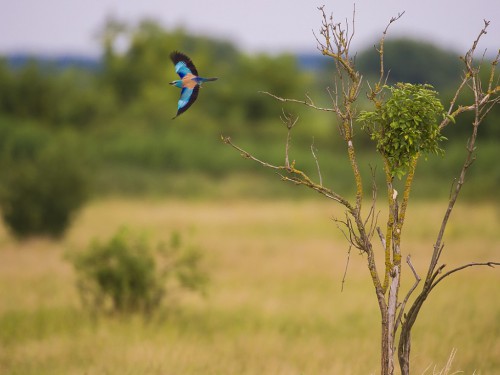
<point x="126" y="275"/>
<point x="406" y="125"/>
<point x="41" y="186"/>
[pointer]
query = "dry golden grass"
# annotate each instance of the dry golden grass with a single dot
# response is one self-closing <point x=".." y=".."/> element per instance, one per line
<point x="275" y="304"/>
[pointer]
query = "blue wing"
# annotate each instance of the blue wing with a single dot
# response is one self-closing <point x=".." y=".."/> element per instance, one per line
<point x="183" y="64"/>
<point x="188" y="97"/>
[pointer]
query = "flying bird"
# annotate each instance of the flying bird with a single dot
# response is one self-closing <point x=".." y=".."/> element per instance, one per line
<point x="189" y="83"/>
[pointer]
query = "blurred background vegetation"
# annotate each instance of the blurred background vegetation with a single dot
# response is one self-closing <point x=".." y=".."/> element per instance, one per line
<point x="112" y="117"/>
<point x="77" y="128"/>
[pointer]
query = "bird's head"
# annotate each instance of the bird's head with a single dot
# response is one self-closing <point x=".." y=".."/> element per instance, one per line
<point x="177" y="83"/>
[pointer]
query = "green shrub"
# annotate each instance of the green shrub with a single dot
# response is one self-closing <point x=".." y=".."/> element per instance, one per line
<point x="126" y="275"/>
<point x="406" y="125"/>
<point x="42" y="184"/>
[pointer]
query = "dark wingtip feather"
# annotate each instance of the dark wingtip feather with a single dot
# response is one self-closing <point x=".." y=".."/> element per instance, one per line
<point x="192" y="99"/>
<point x="177" y="56"/>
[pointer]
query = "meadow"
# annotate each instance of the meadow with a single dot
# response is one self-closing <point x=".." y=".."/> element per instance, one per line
<point x="277" y="301"/>
<point x="274" y="303"/>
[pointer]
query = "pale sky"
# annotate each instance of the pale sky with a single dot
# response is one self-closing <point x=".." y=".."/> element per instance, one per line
<point x="69" y="26"/>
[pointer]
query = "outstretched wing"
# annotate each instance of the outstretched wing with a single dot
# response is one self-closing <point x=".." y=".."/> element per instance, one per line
<point x="188" y="97"/>
<point x="183" y="64"/>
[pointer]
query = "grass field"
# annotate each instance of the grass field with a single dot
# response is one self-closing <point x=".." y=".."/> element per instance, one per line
<point x="274" y="303"/>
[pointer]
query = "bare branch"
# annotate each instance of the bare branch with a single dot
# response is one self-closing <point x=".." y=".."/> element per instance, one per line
<point x="473" y="264"/>
<point x="346" y="266"/>
<point x="485" y="100"/>
<point x="494" y="63"/>
<point x="289" y="123"/>
<point x="346" y="236"/>
<point x="372" y="218"/>
<point x="407" y="297"/>
<point x="348" y="45"/>
<point x="393" y="19"/>
<point x="245" y="154"/>
<point x="381" y="236"/>
<point x="435" y="275"/>
<point x="333" y="95"/>
<point x="351" y="236"/>
<point x="308" y="103"/>
<point x="476" y="42"/>
<point x="374" y="92"/>
<point x="488" y="107"/>
<point x="450" y="113"/>
<point x="451" y="188"/>
<point x="297" y="176"/>
<point x="317" y="163"/>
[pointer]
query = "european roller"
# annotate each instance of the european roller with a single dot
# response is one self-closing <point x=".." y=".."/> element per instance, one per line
<point x="189" y="83"/>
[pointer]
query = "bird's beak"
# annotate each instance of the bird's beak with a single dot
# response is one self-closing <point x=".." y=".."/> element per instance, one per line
<point x="172" y="83"/>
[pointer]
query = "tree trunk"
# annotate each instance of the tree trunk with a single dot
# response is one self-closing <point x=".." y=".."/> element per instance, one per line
<point x="404" y="348"/>
<point x="387" y="338"/>
<point x="405" y="336"/>
<point x="387" y="356"/>
<point x="404" y="355"/>
<point x="386" y="360"/>
<point x="389" y="316"/>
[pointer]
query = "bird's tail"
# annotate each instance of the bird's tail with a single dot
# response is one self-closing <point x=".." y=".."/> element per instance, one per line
<point x="210" y="79"/>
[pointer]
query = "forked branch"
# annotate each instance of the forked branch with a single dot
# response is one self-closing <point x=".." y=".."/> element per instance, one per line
<point x="472" y="264"/>
<point x="484" y="100"/>
<point x="482" y="104"/>
<point x="408" y="295"/>
<point x="377" y="89"/>
<point x="309" y="102"/>
<point x="292" y="174"/>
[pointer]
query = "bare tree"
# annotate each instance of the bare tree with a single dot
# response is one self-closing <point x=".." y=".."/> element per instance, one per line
<point x="334" y="40"/>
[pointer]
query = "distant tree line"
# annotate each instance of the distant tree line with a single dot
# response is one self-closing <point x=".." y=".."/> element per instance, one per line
<point x="118" y="112"/>
<point x="132" y="78"/>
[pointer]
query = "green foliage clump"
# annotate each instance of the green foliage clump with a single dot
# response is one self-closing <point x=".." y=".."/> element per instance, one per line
<point x="42" y="183"/>
<point x="406" y="125"/>
<point x="126" y="275"/>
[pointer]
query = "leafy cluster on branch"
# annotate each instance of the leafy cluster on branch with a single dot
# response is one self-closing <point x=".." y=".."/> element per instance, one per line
<point x="406" y="125"/>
